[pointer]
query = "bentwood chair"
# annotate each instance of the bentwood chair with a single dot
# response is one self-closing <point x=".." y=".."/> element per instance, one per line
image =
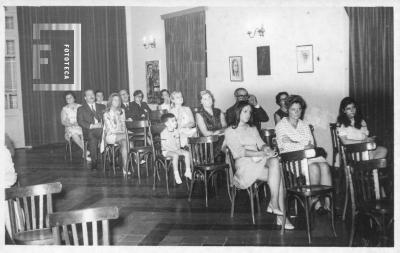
<point x="312" y="133"/>
<point x="203" y="164"/>
<point x="252" y="190"/>
<point x="143" y="147"/>
<point x="68" y="150"/>
<point x="369" y="199"/>
<point x="269" y="137"/>
<point x="296" y="184"/>
<point x="28" y="209"/>
<point x="71" y="228"/>
<point x="353" y="153"/>
<point x="337" y="171"/>
<point x="162" y="162"/>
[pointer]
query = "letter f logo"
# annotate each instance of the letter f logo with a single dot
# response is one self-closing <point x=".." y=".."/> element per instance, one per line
<point x="37" y="60"/>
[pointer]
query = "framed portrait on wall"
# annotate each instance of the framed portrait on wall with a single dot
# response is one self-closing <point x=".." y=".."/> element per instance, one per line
<point x="236" y="68"/>
<point x="153" y="82"/>
<point x="305" y="59"/>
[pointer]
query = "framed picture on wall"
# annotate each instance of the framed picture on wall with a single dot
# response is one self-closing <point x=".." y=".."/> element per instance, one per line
<point x="263" y="61"/>
<point x="153" y="82"/>
<point x="236" y="68"/>
<point x="305" y="59"/>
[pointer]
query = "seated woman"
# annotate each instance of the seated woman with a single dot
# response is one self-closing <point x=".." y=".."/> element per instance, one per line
<point x="184" y="117"/>
<point x="68" y="119"/>
<point x="254" y="160"/>
<point x="293" y="134"/>
<point x="165" y="101"/>
<point x="352" y="126"/>
<point x="140" y="110"/>
<point x="282" y="111"/>
<point x="210" y="120"/>
<point x="115" y="129"/>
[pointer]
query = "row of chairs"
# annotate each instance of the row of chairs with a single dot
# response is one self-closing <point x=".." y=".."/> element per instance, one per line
<point x="33" y="221"/>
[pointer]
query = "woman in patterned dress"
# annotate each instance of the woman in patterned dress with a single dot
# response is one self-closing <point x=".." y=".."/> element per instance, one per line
<point x="68" y="119"/>
<point x="293" y="134"/>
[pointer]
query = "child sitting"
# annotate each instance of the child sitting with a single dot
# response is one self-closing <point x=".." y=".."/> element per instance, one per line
<point x="170" y="145"/>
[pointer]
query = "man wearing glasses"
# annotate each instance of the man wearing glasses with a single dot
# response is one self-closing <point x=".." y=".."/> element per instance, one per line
<point x="259" y="115"/>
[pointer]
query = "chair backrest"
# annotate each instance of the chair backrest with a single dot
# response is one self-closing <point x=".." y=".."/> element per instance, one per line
<point x="334" y="136"/>
<point x="155" y="116"/>
<point x="357" y="151"/>
<point x="295" y="166"/>
<point x="269" y="137"/>
<point x="312" y="133"/>
<point x="156" y="130"/>
<point x="29" y="206"/>
<point x="77" y="221"/>
<point x="202" y="149"/>
<point x="141" y="131"/>
<point x="366" y="185"/>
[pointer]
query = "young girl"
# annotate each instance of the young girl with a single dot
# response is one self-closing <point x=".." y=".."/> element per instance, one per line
<point x="184" y="117"/>
<point x="165" y="101"/>
<point x="170" y="145"/>
<point x="352" y="126"/>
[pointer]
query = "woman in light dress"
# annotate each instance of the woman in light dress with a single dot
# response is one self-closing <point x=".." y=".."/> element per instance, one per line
<point x="115" y="128"/>
<point x="68" y="119"/>
<point x="184" y="116"/>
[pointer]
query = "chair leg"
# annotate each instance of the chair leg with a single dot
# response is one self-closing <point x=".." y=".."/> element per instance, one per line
<point x="257" y="198"/>
<point x="70" y="150"/>
<point x="65" y="151"/>
<point x="155" y="168"/>
<point x="307" y="209"/>
<point x="166" y="168"/>
<point x="333" y="213"/>
<point x="227" y="184"/>
<point x="191" y="187"/>
<point x="206" y="186"/>
<point x="250" y="190"/>
<point x="233" y="201"/>
<point x="284" y="211"/>
<point x="346" y="198"/>
<point x="138" y="165"/>
<point x="113" y="158"/>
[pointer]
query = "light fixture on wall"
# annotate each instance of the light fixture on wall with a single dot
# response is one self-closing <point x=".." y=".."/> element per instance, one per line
<point x="151" y="43"/>
<point x="260" y="31"/>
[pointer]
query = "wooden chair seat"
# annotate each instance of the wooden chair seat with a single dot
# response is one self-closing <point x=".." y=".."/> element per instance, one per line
<point x="311" y="190"/>
<point x="35" y="237"/>
<point x="142" y="149"/>
<point x="209" y="167"/>
<point x="382" y="206"/>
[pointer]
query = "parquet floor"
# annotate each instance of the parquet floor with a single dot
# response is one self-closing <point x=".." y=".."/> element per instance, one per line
<point x="150" y="217"/>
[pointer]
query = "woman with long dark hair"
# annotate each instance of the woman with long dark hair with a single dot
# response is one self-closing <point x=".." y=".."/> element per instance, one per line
<point x="254" y="160"/>
<point x="352" y="125"/>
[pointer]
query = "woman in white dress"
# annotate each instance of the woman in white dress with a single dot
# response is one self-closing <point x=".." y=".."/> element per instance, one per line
<point x="184" y="116"/>
<point x="68" y="119"/>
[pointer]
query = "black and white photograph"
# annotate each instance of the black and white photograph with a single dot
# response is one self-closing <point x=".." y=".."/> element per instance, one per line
<point x="122" y="126"/>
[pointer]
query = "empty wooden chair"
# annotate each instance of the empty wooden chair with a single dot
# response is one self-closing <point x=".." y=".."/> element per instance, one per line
<point x="369" y="198"/>
<point x="81" y="227"/>
<point x="145" y="149"/>
<point x="28" y="209"/>
<point x="203" y="165"/>
<point x="296" y="183"/>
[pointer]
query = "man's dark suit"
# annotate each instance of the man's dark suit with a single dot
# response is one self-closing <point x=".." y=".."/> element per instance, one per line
<point x="85" y="117"/>
<point x="139" y="110"/>
<point x="259" y="115"/>
<point x="128" y="110"/>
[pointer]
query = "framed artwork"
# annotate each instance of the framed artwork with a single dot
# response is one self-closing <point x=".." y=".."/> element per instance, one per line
<point x="153" y="82"/>
<point x="263" y="61"/>
<point x="305" y="59"/>
<point x="236" y="68"/>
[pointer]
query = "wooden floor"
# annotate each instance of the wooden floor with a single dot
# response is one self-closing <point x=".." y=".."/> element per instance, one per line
<point x="150" y="217"/>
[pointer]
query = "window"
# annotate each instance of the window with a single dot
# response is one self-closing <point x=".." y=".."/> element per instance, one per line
<point x="9" y="22"/>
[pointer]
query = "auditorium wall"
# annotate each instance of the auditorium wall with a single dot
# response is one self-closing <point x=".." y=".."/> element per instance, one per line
<point x="285" y="28"/>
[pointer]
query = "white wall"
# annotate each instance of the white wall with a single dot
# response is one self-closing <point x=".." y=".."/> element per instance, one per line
<point x="286" y="27"/>
<point x="141" y="22"/>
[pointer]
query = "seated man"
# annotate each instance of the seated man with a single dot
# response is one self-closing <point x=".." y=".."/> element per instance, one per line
<point x="258" y="113"/>
<point x="90" y="118"/>
<point x="126" y="104"/>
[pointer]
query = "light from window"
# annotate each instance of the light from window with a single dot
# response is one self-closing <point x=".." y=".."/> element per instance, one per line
<point x="9" y="23"/>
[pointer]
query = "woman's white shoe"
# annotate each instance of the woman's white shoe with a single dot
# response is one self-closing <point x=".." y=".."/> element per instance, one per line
<point x="272" y="210"/>
<point x="288" y="225"/>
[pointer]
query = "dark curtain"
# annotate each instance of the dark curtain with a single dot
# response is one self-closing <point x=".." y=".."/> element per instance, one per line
<point x="371" y="69"/>
<point x="103" y="63"/>
<point x="185" y="53"/>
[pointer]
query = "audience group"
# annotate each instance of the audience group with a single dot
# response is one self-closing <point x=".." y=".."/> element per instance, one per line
<point x="103" y="122"/>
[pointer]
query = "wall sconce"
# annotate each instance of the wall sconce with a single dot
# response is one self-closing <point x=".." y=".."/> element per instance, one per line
<point x="259" y="31"/>
<point x="149" y="44"/>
